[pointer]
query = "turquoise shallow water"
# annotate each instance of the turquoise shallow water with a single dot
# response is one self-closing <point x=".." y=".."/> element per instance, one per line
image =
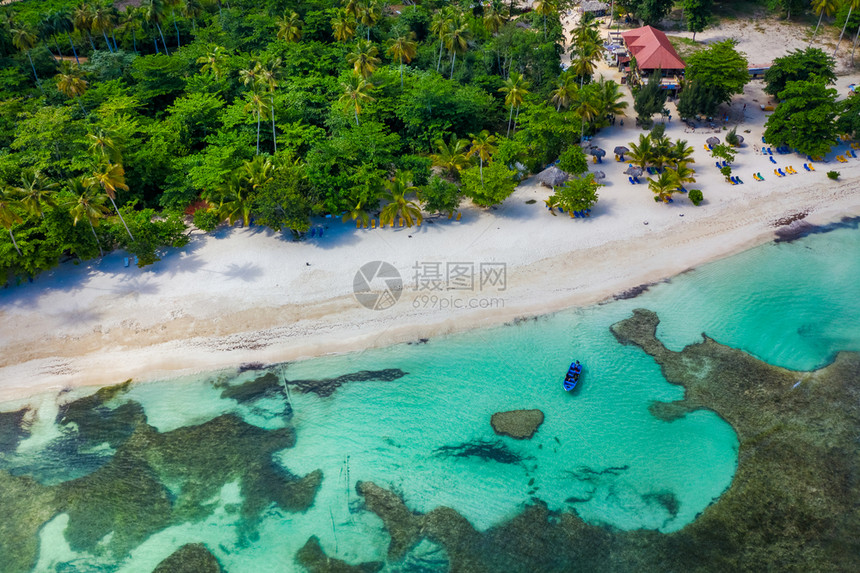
<point x="599" y="452"/>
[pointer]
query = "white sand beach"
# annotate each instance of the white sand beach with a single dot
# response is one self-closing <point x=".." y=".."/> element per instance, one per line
<point x="250" y="295"/>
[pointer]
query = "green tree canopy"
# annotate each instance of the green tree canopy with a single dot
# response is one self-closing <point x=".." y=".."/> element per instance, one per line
<point x="577" y="193"/>
<point x="719" y="67"/>
<point x="805" y="119"/>
<point x="799" y="65"/>
<point x="498" y="184"/>
<point x="573" y="160"/>
<point x="697" y="13"/>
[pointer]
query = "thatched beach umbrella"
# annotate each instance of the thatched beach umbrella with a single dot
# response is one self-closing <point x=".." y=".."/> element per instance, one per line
<point x="599" y="175"/>
<point x="713" y="141"/>
<point x="621" y="150"/>
<point x="740" y="140"/>
<point x="633" y="171"/>
<point x="552" y="176"/>
<point x="596" y="151"/>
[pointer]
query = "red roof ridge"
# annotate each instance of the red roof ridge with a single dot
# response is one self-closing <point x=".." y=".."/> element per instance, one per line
<point x="652" y="49"/>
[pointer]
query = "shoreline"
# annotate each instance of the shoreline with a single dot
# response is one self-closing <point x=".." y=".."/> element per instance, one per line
<point x="44" y="358"/>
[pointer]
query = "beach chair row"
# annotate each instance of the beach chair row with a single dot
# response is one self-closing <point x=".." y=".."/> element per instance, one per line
<point x="633" y="180"/>
<point x="735" y="180"/>
<point x="790" y="170"/>
<point x="758" y="177"/>
<point x="721" y="164"/>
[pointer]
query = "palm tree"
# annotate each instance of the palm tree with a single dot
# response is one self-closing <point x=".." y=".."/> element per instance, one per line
<point x="131" y="20"/>
<point x="88" y="204"/>
<point x="359" y="215"/>
<point x="103" y="146"/>
<point x="235" y="201"/>
<point x="62" y="24"/>
<point x="663" y="186"/>
<point x="439" y="28"/>
<point x="354" y="93"/>
<point x="399" y="207"/>
<point x="102" y="21"/>
<point x="343" y="25"/>
<point x="289" y="27"/>
<point x="483" y="145"/>
<point x="515" y="89"/>
<point x="9" y="216"/>
<point x="457" y="40"/>
<point x="493" y="21"/>
<point x="256" y="173"/>
<point x="363" y="58"/>
<point x="851" y="5"/>
<point x="153" y="12"/>
<point x="24" y="40"/>
<point x="70" y="83"/>
<point x="173" y="4"/>
<point x="83" y="20"/>
<point x="268" y="77"/>
<point x="682" y="175"/>
<point x="403" y="48"/>
<point x="369" y="14"/>
<point x="544" y="8"/>
<point x="822" y="7"/>
<point x="641" y="154"/>
<point x="662" y="151"/>
<point x="562" y="95"/>
<point x="35" y="192"/>
<point x="682" y="154"/>
<point x="192" y="9"/>
<point x="257" y="105"/>
<point x="214" y="61"/>
<point x="452" y="156"/>
<point x="583" y="65"/>
<point x="110" y="177"/>
<point x="584" y="106"/>
<point x="611" y="99"/>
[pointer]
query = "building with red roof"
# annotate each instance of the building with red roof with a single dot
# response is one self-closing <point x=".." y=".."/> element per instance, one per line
<point x="652" y="50"/>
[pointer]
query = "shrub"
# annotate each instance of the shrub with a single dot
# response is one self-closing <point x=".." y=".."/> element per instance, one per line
<point x="206" y="219"/>
<point x="833" y="175"/>
<point x="696" y="196"/>
<point x="573" y="160"/>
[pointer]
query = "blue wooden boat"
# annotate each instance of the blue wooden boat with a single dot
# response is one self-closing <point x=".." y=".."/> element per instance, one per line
<point x="572" y="376"/>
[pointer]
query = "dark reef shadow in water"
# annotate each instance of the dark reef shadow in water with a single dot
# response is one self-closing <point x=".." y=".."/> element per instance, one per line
<point x="486" y="450"/>
<point x="799" y="229"/>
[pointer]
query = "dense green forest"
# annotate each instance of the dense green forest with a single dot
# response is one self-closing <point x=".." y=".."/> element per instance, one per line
<point x="117" y="122"/>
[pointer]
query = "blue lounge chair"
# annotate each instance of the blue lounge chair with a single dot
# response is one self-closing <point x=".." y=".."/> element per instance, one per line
<point x="320" y="232"/>
<point x="738" y="179"/>
<point x="770" y="150"/>
<point x="636" y="180"/>
<point x="312" y="232"/>
<point x="682" y="190"/>
<point x="781" y="174"/>
<point x="717" y="163"/>
<point x="806" y="166"/>
<point x="762" y="139"/>
<point x="631" y="180"/>
<point x="772" y="160"/>
<point x="125" y="261"/>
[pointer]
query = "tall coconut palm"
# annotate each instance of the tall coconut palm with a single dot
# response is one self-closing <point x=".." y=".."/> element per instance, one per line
<point x="70" y="83"/>
<point x="35" y="192"/>
<point x="153" y="12"/>
<point x="439" y="28"/>
<point x="457" y="39"/>
<point x="662" y="151"/>
<point x="235" y="200"/>
<point x="403" y="48"/>
<point x="173" y="4"/>
<point x="48" y="30"/>
<point x="515" y="89"/>
<point x="104" y="147"/>
<point x="641" y="154"/>
<point x="663" y="186"/>
<point x="369" y="14"/>
<point x="110" y="177"/>
<point x="102" y="21"/>
<point x="852" y="4"/>
<point x="214" y="61"/>
<point x="363" y="58"/>
<point x="483" y="145"/>
<point x="544" y="8"/>
<point x="88" y="204"/>
<point x="399" y="207"/>
<point x="192" y="9"/>
<point x="9" y="216"/>
<point x="585" y="107"/>
<point x="83" y="20"/>
<point x="24" y="40"/>
<point x="493" y="21"/>
<point x="451" y="156"/>
<point x="256" y="104"/>
<point x="257" y="172"/>
<point x="358" y="214"/>
<point x="131" y="21"/>
<point x="343" y="25"/>
<point x="610" y="98"/>
<point x="355" y="93"/>
<point x="268" y="77"/>
<point x="289" y="27"/>
<point x="564" y="92"/>
<point x="62" y="23"/>
<point x="823" y="8"/>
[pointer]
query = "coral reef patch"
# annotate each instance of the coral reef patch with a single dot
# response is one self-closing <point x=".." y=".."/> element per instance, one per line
<point x="486" y="450"/>
<point x="518" y="424"/>
<point x="190" y="558"/>
<point x="313" y="558"/>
